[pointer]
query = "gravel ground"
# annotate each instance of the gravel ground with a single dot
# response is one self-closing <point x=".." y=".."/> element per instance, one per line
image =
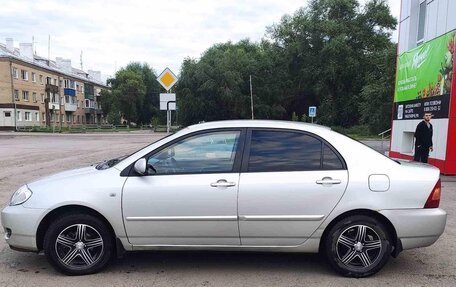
<point x="24" y="157"/>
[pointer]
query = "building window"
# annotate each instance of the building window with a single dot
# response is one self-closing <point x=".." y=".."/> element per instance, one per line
<point x="25" y="95"/>
<point x="24" y="75"/>
<point x="68" y="117"/>
<point x="42" y="98"/>
<point x="37" y="117"/>
<point x="16" y="95"/>
<point x="34" y="97"/>
<point x="55" y="82"/>
<point x="43" y="117"/>
<point x="19" y="117"/>
<point x="421" y="22"/>
<point x="7" y="114"/>
<point x="15" y="73"/>
<point x="78" y="119"/>
<point x="48" y="80"/>
<point x="41" y="79"/>
<point x="27" y="116"/>
<point x="33" y="77"/>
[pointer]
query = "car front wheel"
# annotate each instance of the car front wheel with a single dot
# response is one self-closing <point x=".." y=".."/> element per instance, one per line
<point x="358" y="246"/>
<point x="78" y="244"/>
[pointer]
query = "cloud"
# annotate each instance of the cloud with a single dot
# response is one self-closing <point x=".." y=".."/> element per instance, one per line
<point x="161" y="33"/>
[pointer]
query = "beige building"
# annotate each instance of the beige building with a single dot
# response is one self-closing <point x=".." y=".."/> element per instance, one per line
<point x="35" y="91"/>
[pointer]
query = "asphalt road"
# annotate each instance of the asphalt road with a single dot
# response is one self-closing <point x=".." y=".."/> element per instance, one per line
<point x="29" y="156"/>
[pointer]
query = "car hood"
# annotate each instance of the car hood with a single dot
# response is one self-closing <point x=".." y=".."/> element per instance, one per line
<point x="63" y="175"/>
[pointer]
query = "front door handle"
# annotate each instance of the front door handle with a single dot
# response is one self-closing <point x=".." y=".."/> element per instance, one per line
<point x="222" y="183"/>
<point x="328" y="180"/>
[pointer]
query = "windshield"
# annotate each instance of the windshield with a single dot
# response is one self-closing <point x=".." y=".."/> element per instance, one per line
<point x="112" y="162"/>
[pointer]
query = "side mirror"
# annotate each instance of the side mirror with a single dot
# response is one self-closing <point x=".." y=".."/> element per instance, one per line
<point x="141" y="166"/>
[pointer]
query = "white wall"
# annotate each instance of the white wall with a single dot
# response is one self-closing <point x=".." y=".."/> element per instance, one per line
<point x="402" y="140"/>
<point x="440" y="19"/>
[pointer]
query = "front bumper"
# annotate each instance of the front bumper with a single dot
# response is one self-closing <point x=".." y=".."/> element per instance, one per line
<point x="417" y="227"/>
<point x="20" y="224"/>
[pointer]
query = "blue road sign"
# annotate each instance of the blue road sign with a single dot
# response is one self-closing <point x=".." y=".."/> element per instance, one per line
<point x="312" y="111"/>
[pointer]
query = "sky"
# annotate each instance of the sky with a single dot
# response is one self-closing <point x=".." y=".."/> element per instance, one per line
<point x="112" y="33"/>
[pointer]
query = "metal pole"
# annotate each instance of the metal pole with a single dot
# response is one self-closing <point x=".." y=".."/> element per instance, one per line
<point x="168" y="117"/>
<point x="251" y="96"/>
<point x="13" y="99"/>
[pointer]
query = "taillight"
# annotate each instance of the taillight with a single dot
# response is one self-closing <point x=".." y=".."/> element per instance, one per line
<point x="433" y="200"/>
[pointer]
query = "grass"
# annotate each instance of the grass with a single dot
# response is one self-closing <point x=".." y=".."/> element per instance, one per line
<point x="359" y="132"/>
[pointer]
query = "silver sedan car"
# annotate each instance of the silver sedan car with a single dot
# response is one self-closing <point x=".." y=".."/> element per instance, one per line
<point x="233" y="185"/>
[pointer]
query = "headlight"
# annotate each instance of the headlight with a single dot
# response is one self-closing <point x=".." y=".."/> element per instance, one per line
<point x="21" y="195"/>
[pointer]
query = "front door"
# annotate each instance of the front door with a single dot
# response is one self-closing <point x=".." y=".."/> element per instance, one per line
<point x="290" y="182"/>
<point x="190" y="196"/>
<point x="8" y="118"/>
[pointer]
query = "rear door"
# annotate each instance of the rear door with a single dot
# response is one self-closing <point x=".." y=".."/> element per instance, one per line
<point x="290" y="182"/>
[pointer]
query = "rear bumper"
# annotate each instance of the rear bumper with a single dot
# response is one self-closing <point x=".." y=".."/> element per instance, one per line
<point x="417" y="227"/>
<point x="20" y="226"/>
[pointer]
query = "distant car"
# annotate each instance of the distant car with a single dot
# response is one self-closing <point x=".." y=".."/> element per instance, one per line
<point x="233" y="185"/>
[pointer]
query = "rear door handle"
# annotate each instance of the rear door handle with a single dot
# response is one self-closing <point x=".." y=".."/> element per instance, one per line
<point x="223" y="183"/>
<point x="328" y="180"/>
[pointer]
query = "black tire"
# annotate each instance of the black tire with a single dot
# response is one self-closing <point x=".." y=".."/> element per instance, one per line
<point x="358" y="246"/>
<point x="78" y="244"/>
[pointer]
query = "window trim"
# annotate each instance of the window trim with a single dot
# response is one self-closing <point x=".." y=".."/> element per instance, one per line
<point x="419" y="40"/>
<point x="130" y="171"/>
<point x="248" y="142"/>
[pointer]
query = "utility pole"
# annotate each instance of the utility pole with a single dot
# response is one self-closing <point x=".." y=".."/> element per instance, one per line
<point x="251" y="96"/>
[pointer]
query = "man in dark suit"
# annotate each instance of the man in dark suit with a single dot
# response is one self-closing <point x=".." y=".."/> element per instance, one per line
<point x="423" y="139"/>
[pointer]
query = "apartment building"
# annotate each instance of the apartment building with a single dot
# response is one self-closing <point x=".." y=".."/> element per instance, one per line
<point x="425" y="80"/>
<point x="35" y="91"/>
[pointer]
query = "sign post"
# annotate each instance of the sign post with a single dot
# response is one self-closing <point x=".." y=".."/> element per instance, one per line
<point x="167" y="100"/>
<point x="312" y="113"/>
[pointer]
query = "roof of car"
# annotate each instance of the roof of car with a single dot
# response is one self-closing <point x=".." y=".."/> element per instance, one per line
<point x="259" y="124"/>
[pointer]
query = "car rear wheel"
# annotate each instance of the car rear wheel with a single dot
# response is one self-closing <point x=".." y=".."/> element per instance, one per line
<point x="358" y="246"/>
<point x="78" y="244"/>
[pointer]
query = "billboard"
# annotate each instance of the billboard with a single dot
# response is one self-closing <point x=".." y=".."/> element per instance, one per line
<point x="424" y="77"/>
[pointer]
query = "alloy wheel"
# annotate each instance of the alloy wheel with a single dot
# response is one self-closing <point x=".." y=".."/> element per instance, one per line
<point x="359" y="246"/>
<point x="79" y="246"/>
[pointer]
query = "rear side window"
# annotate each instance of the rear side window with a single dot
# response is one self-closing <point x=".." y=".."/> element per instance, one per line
<point x="290" y="151"/>
<point x="284" y="151"/>
<point x="330" y="159"/>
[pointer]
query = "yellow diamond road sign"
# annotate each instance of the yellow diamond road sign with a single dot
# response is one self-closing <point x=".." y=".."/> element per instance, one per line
<point x="167" y="79"/>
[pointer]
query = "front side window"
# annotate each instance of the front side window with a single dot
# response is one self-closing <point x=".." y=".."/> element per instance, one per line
<point x="204" y="153"/>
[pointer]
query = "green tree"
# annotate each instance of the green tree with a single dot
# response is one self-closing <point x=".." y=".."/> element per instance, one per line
<point x="377" y="95"/>
<point x="135" y="94"/>
<point x="218" y="85"/>
<point x="327" y="47"/>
